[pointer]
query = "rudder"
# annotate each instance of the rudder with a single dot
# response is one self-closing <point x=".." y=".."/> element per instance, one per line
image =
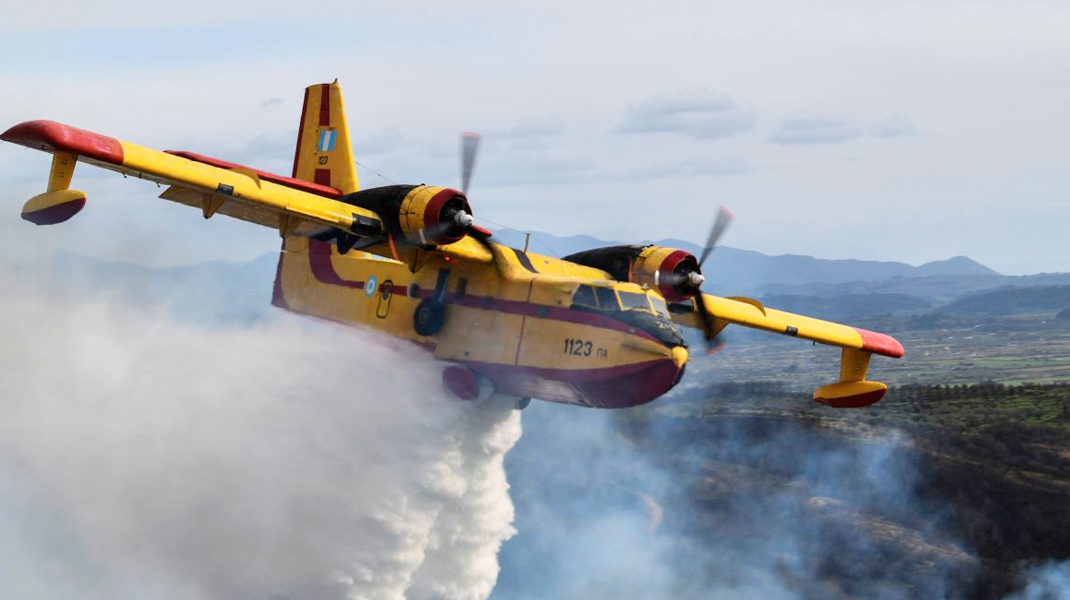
<point x="324" y="154"/>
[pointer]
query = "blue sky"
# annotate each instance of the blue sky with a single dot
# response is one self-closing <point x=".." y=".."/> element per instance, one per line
<point x="909" y="131"/>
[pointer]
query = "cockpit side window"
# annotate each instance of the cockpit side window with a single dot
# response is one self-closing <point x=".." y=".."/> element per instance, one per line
<point x="607" y="299"/>
<point x="632" y="300"/>
<point x="584" y="297"/>
<point x="659" y="306"/>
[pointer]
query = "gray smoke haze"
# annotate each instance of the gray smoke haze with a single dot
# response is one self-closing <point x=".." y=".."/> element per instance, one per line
<point x="1046" y="582"/>
<point x="728" y="509"/>
<point x="656" y="504"/>
<point x="141" y="457"/>
<point x="162" y="452"/>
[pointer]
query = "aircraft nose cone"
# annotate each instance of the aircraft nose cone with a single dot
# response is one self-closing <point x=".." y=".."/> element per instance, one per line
<point x="679" y="356"/>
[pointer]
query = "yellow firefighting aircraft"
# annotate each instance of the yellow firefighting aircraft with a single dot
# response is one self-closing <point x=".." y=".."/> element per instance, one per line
<point x="598" y="328"/>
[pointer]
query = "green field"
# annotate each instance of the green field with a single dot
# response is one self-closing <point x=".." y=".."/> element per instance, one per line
<point x="954" y="351"/>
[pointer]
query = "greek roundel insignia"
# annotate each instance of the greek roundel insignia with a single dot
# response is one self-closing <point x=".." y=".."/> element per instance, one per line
<point x="369" y="288"/>
<point x="326" y="140"/>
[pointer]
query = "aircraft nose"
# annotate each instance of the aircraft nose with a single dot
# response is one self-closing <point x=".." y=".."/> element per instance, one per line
<point x="679" y="357"/>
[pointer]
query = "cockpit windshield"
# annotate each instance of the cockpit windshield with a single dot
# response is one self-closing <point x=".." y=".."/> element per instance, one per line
<point x="599" y="298"/>
<point x="659" y="305"/>
<point x="610" y="299"/>
<point x="632" y="300"/>
<point x="644" y="310"/>
<point x="584" y="297"/>
<point x="607" y="298"/>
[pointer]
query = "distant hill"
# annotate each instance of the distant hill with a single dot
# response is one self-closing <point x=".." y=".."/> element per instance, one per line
<point x="1012" y="301"/>
<point x="940" y="289"/>
<point x="831" y="289"/>
<point x="735" y="271"/>
<point x="850" y="306"/>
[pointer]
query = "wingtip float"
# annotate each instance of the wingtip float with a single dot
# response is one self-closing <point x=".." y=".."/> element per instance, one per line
<point x="600" y="328"/>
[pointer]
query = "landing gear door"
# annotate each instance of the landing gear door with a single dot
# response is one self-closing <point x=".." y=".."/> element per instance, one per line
<point x="385" y="292"/>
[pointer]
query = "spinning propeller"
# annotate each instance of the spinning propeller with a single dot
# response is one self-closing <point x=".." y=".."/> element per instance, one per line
<point x="689" y="279"/>
<point x="455" y="218"/>
<point x="469" y="151"/>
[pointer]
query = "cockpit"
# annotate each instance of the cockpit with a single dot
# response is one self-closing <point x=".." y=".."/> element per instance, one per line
<point x="610" y="299"/>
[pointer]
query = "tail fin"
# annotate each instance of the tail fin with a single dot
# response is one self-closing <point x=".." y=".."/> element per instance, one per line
<point x="323" y="153"/>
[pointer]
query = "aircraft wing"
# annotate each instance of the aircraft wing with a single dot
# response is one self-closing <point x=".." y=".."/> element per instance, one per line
<point x="857" y="344"/>
<point x="294" y="207"/>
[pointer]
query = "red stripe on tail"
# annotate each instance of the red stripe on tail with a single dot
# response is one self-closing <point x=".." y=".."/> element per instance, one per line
<point x="325" y="106"/>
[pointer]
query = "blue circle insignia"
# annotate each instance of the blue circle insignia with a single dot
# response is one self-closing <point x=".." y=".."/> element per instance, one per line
<point x="369" y="287"/>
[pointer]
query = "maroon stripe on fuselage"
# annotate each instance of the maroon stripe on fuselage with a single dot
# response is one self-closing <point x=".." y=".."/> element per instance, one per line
<point x="621" y="386"/>
<point x="319" y="259"/>
<point x="319" y="254"/>
<point x="523" y="324"/>
<point x="325" y="105"/>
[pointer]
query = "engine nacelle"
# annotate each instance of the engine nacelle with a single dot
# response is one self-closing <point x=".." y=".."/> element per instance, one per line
<point x="669" y="270"/>
<point x="434" y="215"/>
<point x="674" y="273"/>
<point x="424" y="215"/>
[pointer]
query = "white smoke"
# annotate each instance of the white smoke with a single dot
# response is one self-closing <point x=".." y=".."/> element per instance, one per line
<point x="144" y="458"/>
<point x="1049" y="581"/>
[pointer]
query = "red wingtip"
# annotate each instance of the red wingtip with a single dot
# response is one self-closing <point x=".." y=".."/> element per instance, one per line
<point x="880" y="343"/>
<point x="51" y="136"/>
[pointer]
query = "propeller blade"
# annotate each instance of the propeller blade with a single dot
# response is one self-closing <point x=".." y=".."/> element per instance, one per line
<point x="713" y="343"/>
<point x="724" y="217"/>
<point x="469" y="150"/>
<point x="481" y="235"/>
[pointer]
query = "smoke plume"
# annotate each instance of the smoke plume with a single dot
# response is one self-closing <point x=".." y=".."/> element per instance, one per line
<point x="142" y="457"/>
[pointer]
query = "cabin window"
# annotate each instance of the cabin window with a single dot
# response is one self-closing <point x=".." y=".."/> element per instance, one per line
<point x="584" y="296"/>
<point x="659" y="305"/>
<point x="607" y="298"/>
<point x="632" y="300"/>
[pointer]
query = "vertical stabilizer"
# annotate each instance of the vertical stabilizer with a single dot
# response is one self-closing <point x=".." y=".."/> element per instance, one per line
<point x="323" y="154"/>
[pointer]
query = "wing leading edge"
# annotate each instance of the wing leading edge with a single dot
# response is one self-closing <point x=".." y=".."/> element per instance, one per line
<point x="858" y="345"/>
<point x="249" y="196"/>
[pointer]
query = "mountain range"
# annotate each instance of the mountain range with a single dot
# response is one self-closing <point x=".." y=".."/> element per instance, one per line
<point x="833" y="289"/>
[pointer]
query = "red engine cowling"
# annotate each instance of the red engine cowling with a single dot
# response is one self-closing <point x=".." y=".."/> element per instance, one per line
<point x="434" y="215"/>
<point x="674" y="273"/>
<point x="421" y="214"/>
<point x="669" y="270"/>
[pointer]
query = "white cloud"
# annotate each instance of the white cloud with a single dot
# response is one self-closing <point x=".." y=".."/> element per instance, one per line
<point x="696" y="112"/>
<point x="814" y="130"/>
<point x="893" y="127"/>
<point x="933" y="65"/>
